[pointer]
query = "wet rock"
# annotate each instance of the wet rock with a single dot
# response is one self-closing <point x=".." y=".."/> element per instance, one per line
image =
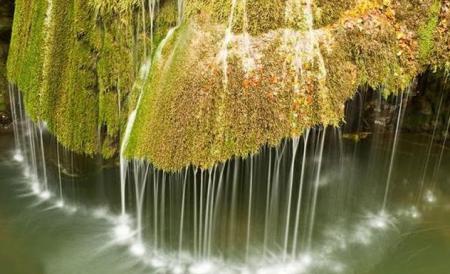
<point x="5" y="119"/>
<point x="424" y="106"/>
<point x="421" y="113"/>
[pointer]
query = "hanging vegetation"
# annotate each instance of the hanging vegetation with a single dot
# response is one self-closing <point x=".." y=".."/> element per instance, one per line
<point x="235" y="75"/>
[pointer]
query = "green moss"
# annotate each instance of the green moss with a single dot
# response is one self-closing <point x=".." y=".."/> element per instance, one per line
<point x="110" y="8"/>
<point x="329" y="11"/>
<point x="261" y="16"/>
<point x="74" y="72"/>
<point x="165" y="20"/>
<point x="26" y="58"/>
<point x="115" y="72"/>
<point x="265" y="15"/>
<point x="54" y="66"/>
<point x="426" y="32"/>
<point x="154" y="100"/>
<point x="78" y="71"/>
<point x="109" y="147"/>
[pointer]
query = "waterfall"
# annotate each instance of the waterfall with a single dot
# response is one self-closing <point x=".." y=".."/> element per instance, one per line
<point x="144" y="27"/>
<point x="249" y="212"/>
<point x="15" y="120"/>
<point x="295" y="143"/>
<point x="122" y="229"/>
<point x="144" y="72"/>
<point x="233" y="209"/>
<point x="183" y="206"/>
<point x="44" y="168"/>
<point x="155" y="208"/>
<point x="277" y="210"/>
<point x="267" y="208"/>
<point x="430" y="148"/>
<point x="123" y="161"/>
<point x="61" y="197"/>
<point x="26" y="136"/>
<point x="441" y="154"/>
<point x="180" y="10"/>
<point x="140" y="183"/>
<point x="316" y="190"/>
<point x="394" y="150"/>
<point x="195" y="213"/>
<point x="274" y="190"/>
<point x="300" y="194"/>
<point x="200" y="219"/>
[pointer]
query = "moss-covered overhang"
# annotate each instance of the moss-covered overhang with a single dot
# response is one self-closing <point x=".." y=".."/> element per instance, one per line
<point x="221" y="87"/>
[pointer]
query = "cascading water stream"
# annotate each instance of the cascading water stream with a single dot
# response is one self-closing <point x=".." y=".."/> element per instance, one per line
<point x="195" y="213"/>
<point x="215" y="207"/>
<point x="249" y="212"/>
<point x="140" y="184"/>
<point x="316" y="190"/>
<point x="209" y="200"/>
<point x="30" y="132"/>
<point x="162" y="208"/>
<point x="155" y="208"/>
<point x="234" y="190"/>
<point x="18" y="145"/>
<point x="200" y="219"/>
<point x="299" y="200"/>
<point x="144" y="27"/>
<point x="441" y="155"/>
<point x="267" y="208"/>
<point x="295" y="143"/>
<point x="123" y="230"/>
<point x="274" y="202"/>
<point x="44" y="167"/>
<point x="180" y="11"/>
<point x="393" y="152"/>
<point x="233" y="206"/>
<point x="183" y="206"/>
<point x="61" y="197"/>
<point x="430" y="148"/>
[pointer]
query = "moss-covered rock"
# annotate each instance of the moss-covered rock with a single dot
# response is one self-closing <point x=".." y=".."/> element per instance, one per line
<point x="74" y="69"/>
<point x="236" y="75"/>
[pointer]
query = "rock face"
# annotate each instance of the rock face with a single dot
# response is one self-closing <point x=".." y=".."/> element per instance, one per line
<point x="235" y="75"/>
<point x="425" y="110"/>
<point x="429" y="107"/>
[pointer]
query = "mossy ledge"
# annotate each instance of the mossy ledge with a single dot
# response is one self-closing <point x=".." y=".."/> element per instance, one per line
<point x="220" y="88"/>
